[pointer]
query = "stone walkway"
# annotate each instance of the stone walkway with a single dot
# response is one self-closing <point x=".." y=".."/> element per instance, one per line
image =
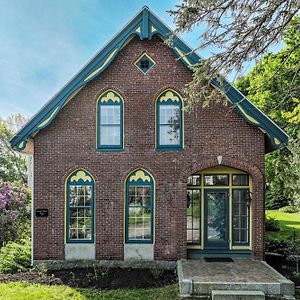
<point x="198" y="277"/>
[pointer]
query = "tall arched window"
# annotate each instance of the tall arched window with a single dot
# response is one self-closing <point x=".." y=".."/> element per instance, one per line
<point x="110" y="121"/>
<point x="169" y="120"/>
<point x="80" y="207"/>
<point x="139" y="207"/>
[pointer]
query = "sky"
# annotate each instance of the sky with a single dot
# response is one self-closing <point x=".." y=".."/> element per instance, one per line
<point x="43" y="43"/>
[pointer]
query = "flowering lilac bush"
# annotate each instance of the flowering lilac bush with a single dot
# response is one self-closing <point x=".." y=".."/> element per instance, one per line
<point x="14" y="211"/>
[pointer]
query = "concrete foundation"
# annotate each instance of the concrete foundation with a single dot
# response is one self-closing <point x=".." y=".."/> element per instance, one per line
<point x="138" y="252"/>
<point x="80" y="251"/>
<point x="237" y="295"/>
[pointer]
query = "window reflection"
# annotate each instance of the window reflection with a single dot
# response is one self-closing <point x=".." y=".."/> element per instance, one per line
<point x="139" y="212"/>
<point x="240" y="198"/>
<point x="169" y="125"/>
<point x="80" y="212"/>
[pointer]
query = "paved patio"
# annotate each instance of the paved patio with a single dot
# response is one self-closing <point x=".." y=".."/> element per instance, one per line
<point x="201" y="278"/>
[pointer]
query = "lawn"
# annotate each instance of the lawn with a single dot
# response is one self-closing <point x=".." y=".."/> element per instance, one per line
<point x="28" y="291"/>
<point x="288" y="223"/>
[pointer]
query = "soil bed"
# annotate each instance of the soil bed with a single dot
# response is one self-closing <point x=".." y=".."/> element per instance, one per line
<point x="98" y="278"/>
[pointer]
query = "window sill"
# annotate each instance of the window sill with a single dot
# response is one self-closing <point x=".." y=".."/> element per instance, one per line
<point x="80" y="242"/>
<point x="139" y="242"/>
<point x="110" y="149"/>
<point x="169" y="149"/>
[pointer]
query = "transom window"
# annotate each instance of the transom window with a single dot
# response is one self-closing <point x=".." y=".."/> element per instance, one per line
<point x="139" y="207"/>
<point x="194" y="180"/>
<point x="216" y="180"/>
<point x="169" y="121"/>
<point x="80" y="207"/>
<point x="110" y="121"/>
<point x="240" y="179"/>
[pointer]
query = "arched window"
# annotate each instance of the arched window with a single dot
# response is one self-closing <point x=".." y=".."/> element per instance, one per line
<point x="169" y="121"/>
<point x="139" y="207"/>
<point x="110" y="121"/>
<point x="80" y="207"/>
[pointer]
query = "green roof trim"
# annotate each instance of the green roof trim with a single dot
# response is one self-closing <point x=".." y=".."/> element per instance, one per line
<point x="144" y="25"/>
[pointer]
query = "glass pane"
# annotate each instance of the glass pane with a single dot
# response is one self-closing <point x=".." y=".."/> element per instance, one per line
<point x="240" y="179"/>
<point x="217" y="180"/>
<point x="88" y="196"/>
<point x="88" y="234"/>
<point x="131" y="190"/>
<point x="88" y="212"/>
<point x="193" y="216"/>
<point x="169" y="114"/>
<point x="80" y="218"/>
<point x="189" y="236"/>
<point x="216" y="217"/>
<point x="109" y="135"/>
<point x="169" y="134"/>
<point x="73" y="233"/>
<point x="240" y="215"/>
<point x="110" y="114"/>
<point x="73" y="212"/>
<point x="139" y="213"/>
<point x="196" y="209"/>
<point x="81" y="234"/>
<point x="194" y="180"/>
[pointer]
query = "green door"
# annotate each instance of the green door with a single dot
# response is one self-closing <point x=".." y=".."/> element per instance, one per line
<point x="216" y="219"/>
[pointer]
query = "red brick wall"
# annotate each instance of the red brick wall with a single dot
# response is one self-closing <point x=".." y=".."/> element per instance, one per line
<point x="70" y="141"/>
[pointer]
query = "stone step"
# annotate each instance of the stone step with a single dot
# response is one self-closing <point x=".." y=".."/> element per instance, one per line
<point x="202" y="288"/>
<point x="237" y="295"/>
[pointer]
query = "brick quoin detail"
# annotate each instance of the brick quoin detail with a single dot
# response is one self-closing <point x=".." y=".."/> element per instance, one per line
<point x="69" y="142"/>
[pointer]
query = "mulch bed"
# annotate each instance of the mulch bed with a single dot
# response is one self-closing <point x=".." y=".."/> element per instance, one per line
<point x="99" y="278"/>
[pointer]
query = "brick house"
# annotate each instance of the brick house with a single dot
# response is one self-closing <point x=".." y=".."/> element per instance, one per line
<point x="122" y="172"/>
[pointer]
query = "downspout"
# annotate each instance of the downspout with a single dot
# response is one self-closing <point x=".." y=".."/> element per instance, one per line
<point x="32" y="208"/>
<point x="30" y="180"/>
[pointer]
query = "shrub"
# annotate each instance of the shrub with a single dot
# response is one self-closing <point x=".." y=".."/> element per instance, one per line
<point x="14" y="211"/>
<point x="296" y="278"/>
<point x="290" y="209"/>
<point x="272" y="224"/>
<point x="285" y="248"/>
<point x="15" y="257"/>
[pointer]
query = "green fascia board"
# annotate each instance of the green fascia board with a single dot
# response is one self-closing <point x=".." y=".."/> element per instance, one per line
<point x="144" y="25"/>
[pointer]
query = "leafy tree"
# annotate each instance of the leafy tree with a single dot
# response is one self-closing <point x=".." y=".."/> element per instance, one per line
<point x="14" y="211"/>
<point x="12" y="164"/>
<point x="237" y="31"/>
<point x="278" y="96"/>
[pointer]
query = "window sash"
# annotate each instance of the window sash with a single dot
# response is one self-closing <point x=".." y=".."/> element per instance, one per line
<point x="110" y="126"/>
<point x="240" y="217"/>
<point x="193" y="213"/>
<point x="171" y="120"/>
<point x="139" y="216"/>
<point x="80" y="219"/>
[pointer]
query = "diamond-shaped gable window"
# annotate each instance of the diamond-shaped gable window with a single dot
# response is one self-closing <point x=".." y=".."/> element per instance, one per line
<point x="144" y="63"/>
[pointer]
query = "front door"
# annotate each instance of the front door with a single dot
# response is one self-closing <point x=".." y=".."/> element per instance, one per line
<point x="216" y="219"/>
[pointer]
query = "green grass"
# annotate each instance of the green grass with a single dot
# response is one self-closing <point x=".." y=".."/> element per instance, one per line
<point x="288" y="223"/>
<point x="27" y="291"/>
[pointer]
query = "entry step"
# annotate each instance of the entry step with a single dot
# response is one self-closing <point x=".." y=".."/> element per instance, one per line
<point x="237" y="295"/>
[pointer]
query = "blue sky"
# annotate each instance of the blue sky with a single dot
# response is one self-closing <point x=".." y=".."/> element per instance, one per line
<point x="43" y="43"/>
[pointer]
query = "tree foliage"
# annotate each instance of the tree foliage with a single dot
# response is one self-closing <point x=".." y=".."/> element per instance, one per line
<point x="237" y="31"/>
<point x="279" y="97"/>
<point x="12" y="164"/>
<point x="14" y="211"/>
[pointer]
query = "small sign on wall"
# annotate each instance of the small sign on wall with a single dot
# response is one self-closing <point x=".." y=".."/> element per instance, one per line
<point x="41" y="212"/>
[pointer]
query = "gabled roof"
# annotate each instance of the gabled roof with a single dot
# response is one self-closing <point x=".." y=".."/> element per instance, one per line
<point x="144" y="25"/>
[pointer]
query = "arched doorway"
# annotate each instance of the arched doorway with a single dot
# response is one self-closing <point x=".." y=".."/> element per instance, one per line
<point x="219" y="212"/>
